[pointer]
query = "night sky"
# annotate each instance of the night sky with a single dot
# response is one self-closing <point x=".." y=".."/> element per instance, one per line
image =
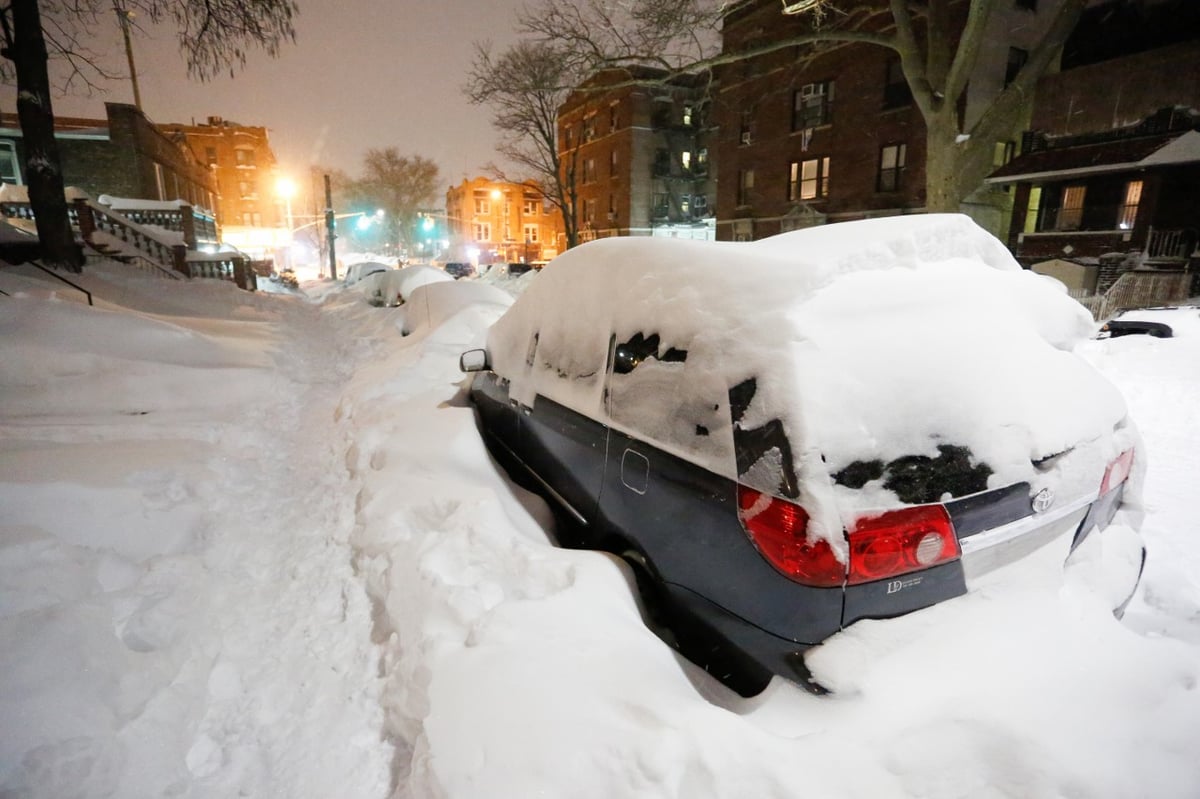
<point x="362" y="74"/>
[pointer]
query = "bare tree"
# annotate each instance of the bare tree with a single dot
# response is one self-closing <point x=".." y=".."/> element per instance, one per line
<point x="213" y="35"/>
<point x="525" y="86"/>
<point x="936" y="56"/>
<point x="401" y="185"/>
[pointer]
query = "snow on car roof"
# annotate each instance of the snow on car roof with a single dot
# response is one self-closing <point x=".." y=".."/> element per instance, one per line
<point x="871" y="339"/>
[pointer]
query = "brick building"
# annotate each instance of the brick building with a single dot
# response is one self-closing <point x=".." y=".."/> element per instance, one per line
<point x="829" y="132"/>
<point x="640" y="155"/>
<point x="124" y="155"/>
<point x="1108" y="180"/>
<point x="245" y="167"/>
<point x="494" y="221"/>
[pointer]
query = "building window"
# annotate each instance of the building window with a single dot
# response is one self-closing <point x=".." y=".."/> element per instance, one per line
<point x="1003" y="153"/>
<point x="589" y="128"/>
<point x="256" y="217"/>
<point x="896" y="93"/>
<point x="247" y="189"/>
<point x="612" y="117"/>
<point x="702" y="161"/>
<point x="700" y="203"/>
<point x="589" y="170"/>
<point x="568" y="137"/>
<point x="210" y="155"/>
<point x="687" y="116"/>
<point x="482" y="206"/>
<point x="811" y="105"/>
<point x="529" y="206"/>
<point x="891" y="167"/>
<point x="10" y="168"/>
<point x="483" y="231"/>
<point x="746" y="129"/>
<point x="685" y="159"/>
<point x="745" y="186"/>
<point x="244" y="156"/>
<point x="808" y="180"/>
<point x="662" y="205"/>
<point x="1070" y="214"/>
<point x="1031" y="211"/>
<point x="247" y="219"/>
<point x="685" y="205"/>
<point x="1016" y="59"/>
<point x="531" y="234"/>
<point x="612" y="163"/>
<point x="589" y="210"/>
<point x="1128" y="212"/>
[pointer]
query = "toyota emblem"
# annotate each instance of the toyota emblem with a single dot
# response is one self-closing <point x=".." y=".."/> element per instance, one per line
<point x="1043" y="500"/>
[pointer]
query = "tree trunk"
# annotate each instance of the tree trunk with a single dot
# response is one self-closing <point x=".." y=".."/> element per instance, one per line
<point x="942" y="192"/>
<point x="43" y="170"/>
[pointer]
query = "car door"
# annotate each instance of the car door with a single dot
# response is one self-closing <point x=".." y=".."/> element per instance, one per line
<point x="562" y="445"/>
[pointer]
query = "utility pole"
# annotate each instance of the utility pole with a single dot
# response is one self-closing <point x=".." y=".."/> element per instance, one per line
<point x="330" y="229"/>
<point x="124" y="17"/>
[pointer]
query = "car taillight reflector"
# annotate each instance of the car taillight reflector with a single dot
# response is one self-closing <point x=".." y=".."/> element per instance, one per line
<point x="901" y="541"/>
<point x="1117" y="472"/>
<point x="779" y="529"/>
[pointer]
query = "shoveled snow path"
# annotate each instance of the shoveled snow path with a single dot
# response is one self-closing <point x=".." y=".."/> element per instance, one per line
<point x="288" y="492"/>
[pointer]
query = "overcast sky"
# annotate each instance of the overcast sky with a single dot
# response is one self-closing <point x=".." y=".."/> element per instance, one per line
<point x="362" y="74"/>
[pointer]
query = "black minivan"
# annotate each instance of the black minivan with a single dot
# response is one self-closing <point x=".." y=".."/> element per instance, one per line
<point x="786" y="436"/>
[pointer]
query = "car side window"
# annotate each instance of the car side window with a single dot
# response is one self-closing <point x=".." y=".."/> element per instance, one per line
<point x="658" y="392"/>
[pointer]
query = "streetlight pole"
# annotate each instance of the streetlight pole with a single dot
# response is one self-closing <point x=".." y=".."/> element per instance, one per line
<point x="125" y="17"/>
<point x="330" y="228"/>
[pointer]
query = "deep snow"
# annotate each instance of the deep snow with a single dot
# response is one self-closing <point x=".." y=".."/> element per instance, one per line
<point x="252" y="544"/>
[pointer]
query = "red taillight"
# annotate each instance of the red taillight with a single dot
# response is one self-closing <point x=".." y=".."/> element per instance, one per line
<point x="900" y="541"/>
<point x="780" y="531"/>
<point x="1117" y="472"/>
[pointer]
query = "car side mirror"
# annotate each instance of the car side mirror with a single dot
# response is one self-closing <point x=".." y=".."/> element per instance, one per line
<point x="474" y="361"/>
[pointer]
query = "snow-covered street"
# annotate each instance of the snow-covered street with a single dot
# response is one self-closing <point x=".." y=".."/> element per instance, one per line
<point x="253" y="545"/>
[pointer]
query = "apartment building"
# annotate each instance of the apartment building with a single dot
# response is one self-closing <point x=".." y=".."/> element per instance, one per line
<point x="829" y="132"/>
<point x="499" y="222"/>
<point x="243" y="162"/>
<point x="638" y="148"/>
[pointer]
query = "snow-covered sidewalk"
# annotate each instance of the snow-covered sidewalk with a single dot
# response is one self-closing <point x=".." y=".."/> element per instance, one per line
<point x="181" y="615"/>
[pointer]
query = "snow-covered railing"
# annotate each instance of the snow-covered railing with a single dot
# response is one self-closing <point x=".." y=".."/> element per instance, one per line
<point x="165" y="247"/>
<point x="198" y="226"/>
<point x="231" y="266"/>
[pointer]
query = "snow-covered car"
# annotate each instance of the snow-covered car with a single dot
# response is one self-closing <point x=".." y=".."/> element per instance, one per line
<point x="1158" y="322"/>
<point x="431" y="304"/>
<point x="459" y="269"/>
<point x="360" y="270"/>
<point x="786" y="436"/>
<point x="393" y="287"/>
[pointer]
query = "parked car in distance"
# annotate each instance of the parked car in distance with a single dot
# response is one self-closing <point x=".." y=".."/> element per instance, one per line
<point x="516" y="268"/>
<point x="784" y="437"/>
<point x="1157" y="322"/>
<point x="432" y="304"/>
<point x="459" y="269"/>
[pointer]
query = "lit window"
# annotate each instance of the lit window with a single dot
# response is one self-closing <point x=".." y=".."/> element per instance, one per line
<point x="1133" y="196"/>
<point x="1070" y="215"/>
<point x="482" y="206"/>
<point x="483" y="231"/>
<point x="531" y="234"/>
<point x="808" y="180"/>
<point x="891" y="166"/>
<point x="685" y="158"/>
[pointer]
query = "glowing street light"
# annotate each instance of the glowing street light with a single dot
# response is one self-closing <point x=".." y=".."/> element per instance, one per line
<point x="285" y="187"/>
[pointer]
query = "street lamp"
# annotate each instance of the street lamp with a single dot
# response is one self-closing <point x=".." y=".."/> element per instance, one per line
<point x="286" y="188"/>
